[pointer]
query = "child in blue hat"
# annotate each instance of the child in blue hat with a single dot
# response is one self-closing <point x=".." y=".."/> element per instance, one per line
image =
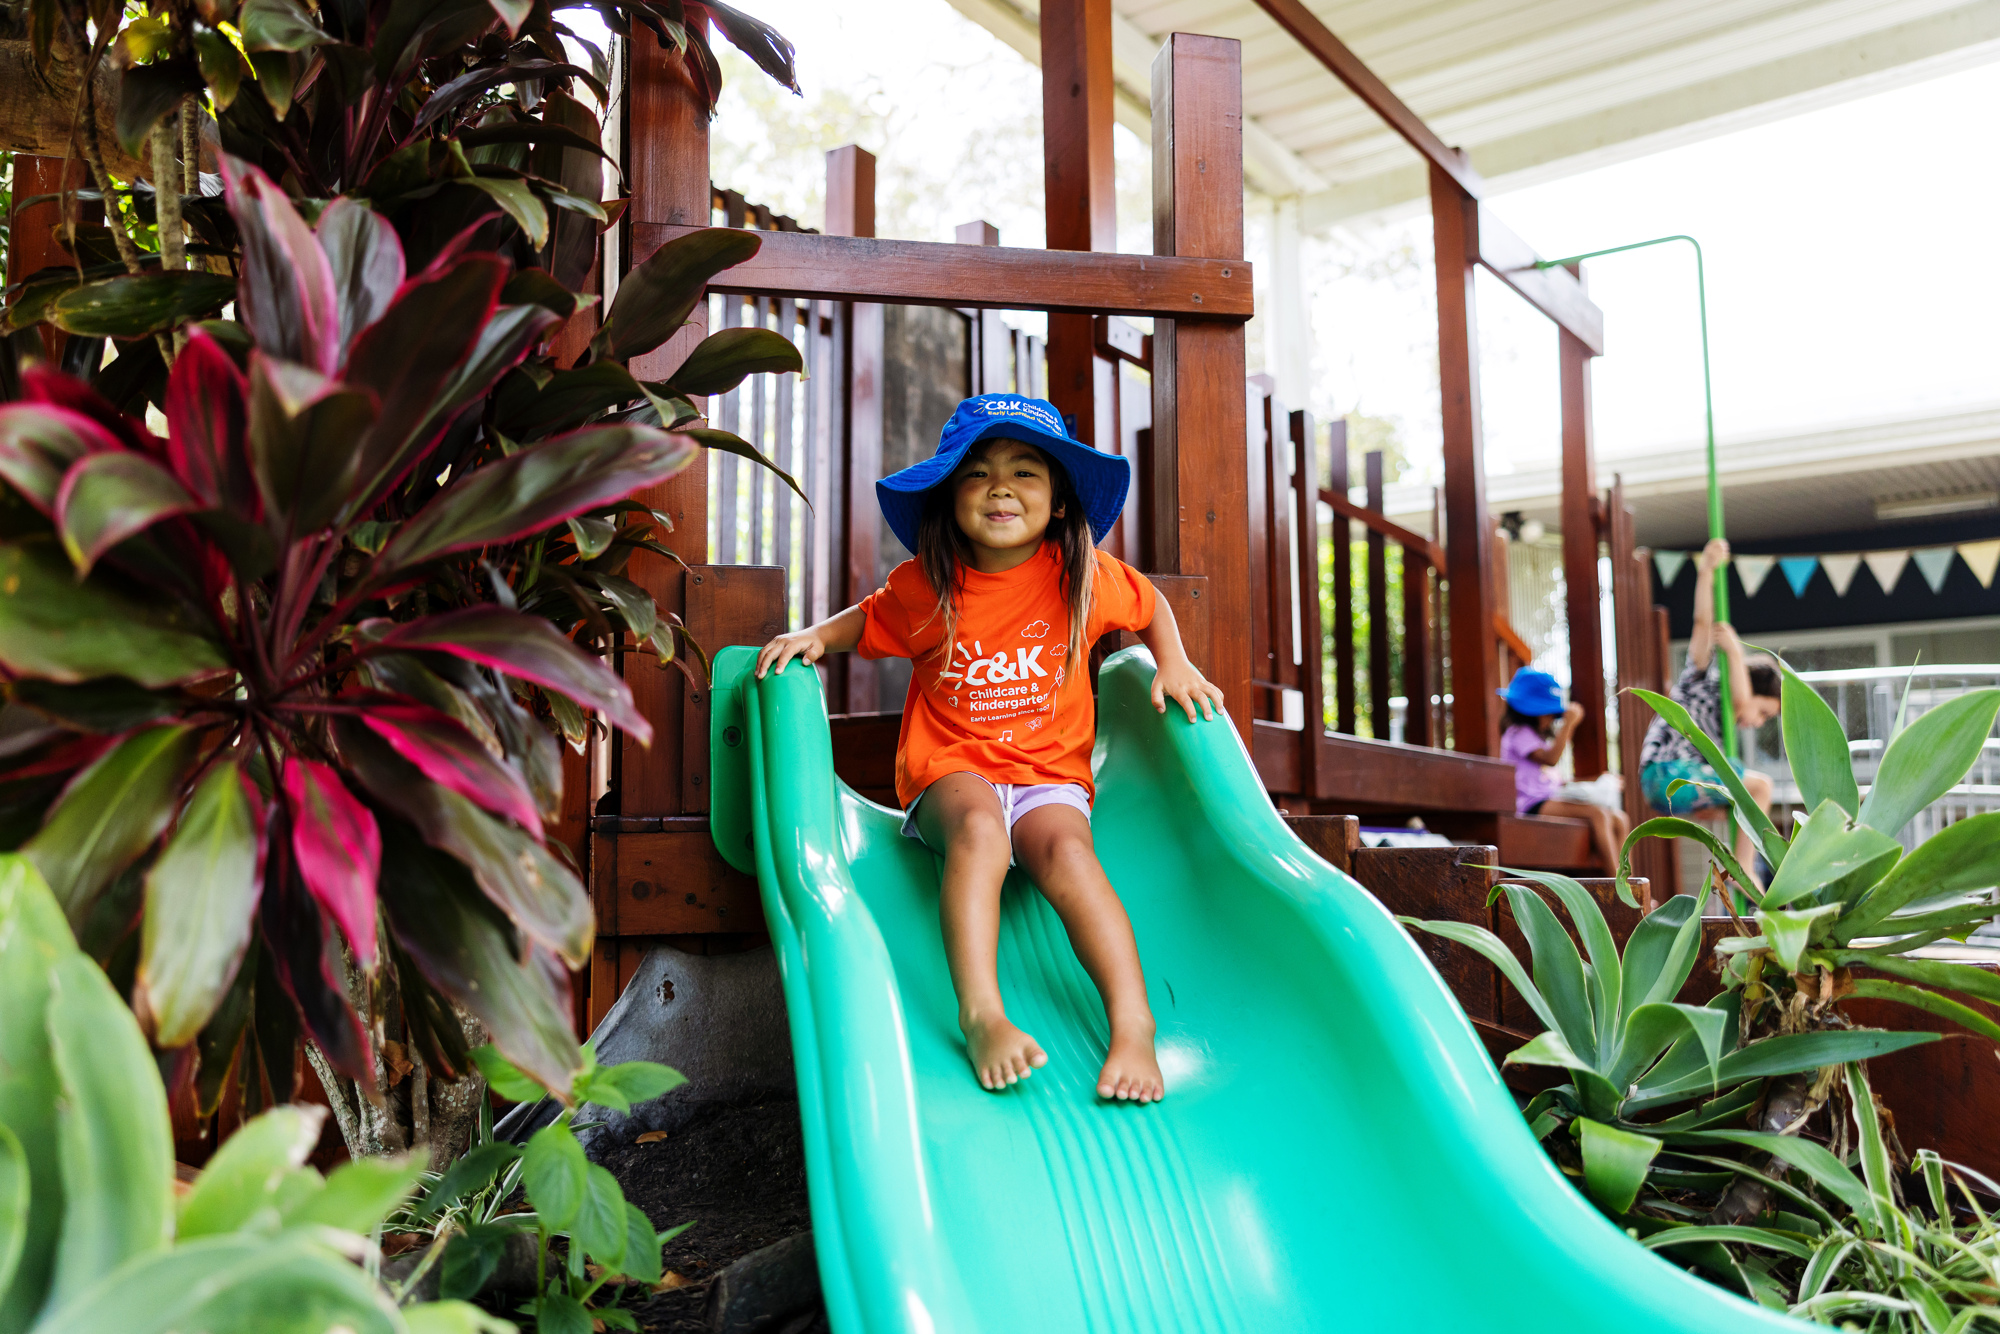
<point x="1535" y="732"/>
<point x="998" y="611"/>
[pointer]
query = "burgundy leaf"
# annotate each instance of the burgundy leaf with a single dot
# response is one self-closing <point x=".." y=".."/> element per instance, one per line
<point x="530" y="648"/>
<point x="448" y="754"/>
<point x="110" y="496"/>
<point x="306" y="957"/>
<point x="39" y="442"/>
<point x="286" y="296"/>
<point x="339" y="850"/>
<point x="366" y="258"/>
<point x="40" y="384"/>
<point x="410" y="356"/>
<point x="206" y="417"/>
<point x="535" y="488"/>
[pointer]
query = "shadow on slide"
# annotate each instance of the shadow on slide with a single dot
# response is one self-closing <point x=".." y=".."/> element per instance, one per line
<point x="1336" y="1150"/>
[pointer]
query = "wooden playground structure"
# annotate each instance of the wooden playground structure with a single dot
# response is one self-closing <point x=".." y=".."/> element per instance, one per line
<point x="1225" y="515"/>
<point x="1230" y="482"/>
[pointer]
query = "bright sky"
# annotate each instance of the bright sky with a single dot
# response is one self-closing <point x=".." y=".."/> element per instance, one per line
<point x="1846" y="248"/>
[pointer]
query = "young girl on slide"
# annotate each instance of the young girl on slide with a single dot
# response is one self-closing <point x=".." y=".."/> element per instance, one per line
<point x="998" y="612"/>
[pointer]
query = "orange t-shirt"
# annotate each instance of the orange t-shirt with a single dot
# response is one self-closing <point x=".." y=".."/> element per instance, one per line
<point x="1009" y="701"/>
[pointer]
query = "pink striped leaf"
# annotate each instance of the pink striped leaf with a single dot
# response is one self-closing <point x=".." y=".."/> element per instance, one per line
<point x="537" y="488"/>
<point x="530" y="648"/>
<point x="39" y="442"/>
<point x="440" y="746"/>
<point x="207" y="409"/>
<point x="286" y="295"/>
<point x="339" y="850"/>
<point x="108" y="497"/>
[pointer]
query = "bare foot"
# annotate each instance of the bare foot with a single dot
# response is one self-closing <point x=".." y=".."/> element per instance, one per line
<point x="1001" y="1054"/>
<point x="1132" y="1072"/>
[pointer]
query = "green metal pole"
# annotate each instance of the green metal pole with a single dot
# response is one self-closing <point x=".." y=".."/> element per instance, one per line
<point x="1715" y="530"/>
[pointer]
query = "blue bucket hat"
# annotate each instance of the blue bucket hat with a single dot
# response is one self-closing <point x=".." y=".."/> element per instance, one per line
<point x="1101" y="480"/>
<point x="1533" y="693"/>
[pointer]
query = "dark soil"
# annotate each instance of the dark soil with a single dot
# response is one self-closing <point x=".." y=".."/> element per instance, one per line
<point x="739" y="1173"/>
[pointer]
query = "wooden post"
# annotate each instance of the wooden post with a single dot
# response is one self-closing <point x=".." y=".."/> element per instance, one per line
<point x="33" y="241"/>
<point x="1312" y="664"/>
<point x="850" y="211"/>
<point x="666" y="139"/>
<point x="1343" y="582"/>
<point x="1416" y="648"/>
<point x="1579" y="537"/>
<point x="666" y="166"/>
<point x="1378" y="609"/>
<point x="1475" y="666"/>
<point x="1081" y="193"/>
<point x="1632" y="610"/>
<point x="1200" y="505"/>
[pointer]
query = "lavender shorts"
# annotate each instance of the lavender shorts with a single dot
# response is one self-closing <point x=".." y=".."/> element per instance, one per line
<point x="1016" y="800"/>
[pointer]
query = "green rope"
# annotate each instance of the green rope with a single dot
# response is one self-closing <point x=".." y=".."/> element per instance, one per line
<point x="1728" y="713"/>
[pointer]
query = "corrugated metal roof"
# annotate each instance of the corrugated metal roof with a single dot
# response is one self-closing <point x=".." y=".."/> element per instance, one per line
<point x="1533" y="89"/>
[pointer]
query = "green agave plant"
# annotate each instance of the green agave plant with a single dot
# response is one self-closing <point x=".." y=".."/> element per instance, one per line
<point x="92" y="1238"/>
<point x="1632" y="1051"/>
<point x="1843" y="891"/>
<point x="1847" y="1249"/>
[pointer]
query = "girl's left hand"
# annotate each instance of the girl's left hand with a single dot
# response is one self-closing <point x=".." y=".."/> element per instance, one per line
<point x="1184" y="684"/>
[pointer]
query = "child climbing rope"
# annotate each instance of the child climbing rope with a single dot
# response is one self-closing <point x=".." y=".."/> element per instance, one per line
<point x="1534" y="741"/>
<point x="998" y="612"/>
<point x="1754" y="688"/>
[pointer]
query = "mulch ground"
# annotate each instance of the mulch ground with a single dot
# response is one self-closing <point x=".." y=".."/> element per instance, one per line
<point x="739" y="1173"/>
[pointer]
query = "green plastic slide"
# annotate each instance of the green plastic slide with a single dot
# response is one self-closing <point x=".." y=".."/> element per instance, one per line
<point x="1336" y="1150"/>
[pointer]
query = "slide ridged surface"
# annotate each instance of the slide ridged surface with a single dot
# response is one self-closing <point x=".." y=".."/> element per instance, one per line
<point x="1336" y="1151"/>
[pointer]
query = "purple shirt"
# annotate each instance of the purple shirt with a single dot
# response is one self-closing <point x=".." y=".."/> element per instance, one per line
<point x="1534" y="782"/>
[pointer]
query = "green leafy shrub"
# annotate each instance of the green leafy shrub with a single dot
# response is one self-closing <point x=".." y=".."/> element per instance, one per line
<point x="286" y="686"/>
<point x="92" y="1238"/>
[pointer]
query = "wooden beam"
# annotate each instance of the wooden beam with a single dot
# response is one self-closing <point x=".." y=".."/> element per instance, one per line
<point x="1080" y="190"/>
<point x="1200" y="508"/>
<point x="940" y="273"/>
<point x="1475" y="666"/>
<point x="1407" y="538"/>
<point x="1579" y="539"/>
<point x="1557" y="293"/>
<point x="1550" y="291"/>
<point x="1343" y="64"/>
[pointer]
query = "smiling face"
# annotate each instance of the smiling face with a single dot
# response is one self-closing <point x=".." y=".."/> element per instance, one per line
<point x="1003" y="498"/>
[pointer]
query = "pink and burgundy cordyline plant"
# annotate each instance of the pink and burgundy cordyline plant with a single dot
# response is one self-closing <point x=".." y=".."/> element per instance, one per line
<point x="285" y="688"/>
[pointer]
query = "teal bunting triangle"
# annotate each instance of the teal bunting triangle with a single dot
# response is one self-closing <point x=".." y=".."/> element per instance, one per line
<point x="1799" y="571"/>
<point x="1935" y="562"/>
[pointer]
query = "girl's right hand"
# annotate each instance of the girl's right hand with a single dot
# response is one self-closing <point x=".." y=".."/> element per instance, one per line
<point x="807" y="645"/>
<point x="1713" y="556"/>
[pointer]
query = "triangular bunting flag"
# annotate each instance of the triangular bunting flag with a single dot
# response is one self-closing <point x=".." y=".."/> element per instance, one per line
<point x="1983" y="557"/>
<point x="1840" y="569"/>
<point x="1935" y="562"/>
<point x="1798" y="572"/>
<point x="1886" y="566"/>
<point x="1753" y="571"/>
<point x="1669" y="563"/>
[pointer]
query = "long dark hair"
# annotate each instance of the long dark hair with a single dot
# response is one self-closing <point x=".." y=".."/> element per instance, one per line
<point x="1513" y="717"/>
<point x="944" y="551"/>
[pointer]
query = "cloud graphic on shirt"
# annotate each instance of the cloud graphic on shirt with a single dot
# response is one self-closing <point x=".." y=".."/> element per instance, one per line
<point x="1037" y="630"/>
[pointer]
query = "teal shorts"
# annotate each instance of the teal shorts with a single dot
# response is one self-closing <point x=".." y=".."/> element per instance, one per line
<point x="1656" y="778"/>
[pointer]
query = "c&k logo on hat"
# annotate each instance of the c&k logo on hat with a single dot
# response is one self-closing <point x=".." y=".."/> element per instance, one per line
<point x="1021" y="407"/>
